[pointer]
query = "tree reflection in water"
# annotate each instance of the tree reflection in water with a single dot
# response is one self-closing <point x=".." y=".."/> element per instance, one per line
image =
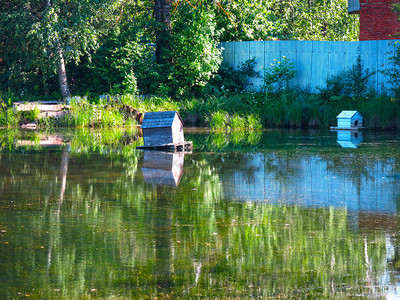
<point x="105" y="232"/>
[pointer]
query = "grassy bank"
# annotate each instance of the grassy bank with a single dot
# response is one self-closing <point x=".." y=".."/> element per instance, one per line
<point x="240" y="111"/>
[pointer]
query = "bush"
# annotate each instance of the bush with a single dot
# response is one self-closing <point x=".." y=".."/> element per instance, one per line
<point x="347" y="84"/>
<point x="278" y="75"/>
<point x="394" y="71"/>
<point x="237" y="122"/>
<point x="229" y="81"/>
<point x="10" y="117"/>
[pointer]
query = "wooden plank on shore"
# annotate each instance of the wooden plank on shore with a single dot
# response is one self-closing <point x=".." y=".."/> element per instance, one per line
<point x="41" y="107"/>
<point x="40" y="102"/>
<point x="52" y="114"/>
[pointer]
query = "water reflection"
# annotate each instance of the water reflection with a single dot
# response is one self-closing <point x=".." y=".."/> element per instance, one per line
<point x="349" y="138"/>
<point x="162" y="168"/>
<point x="311" y="181"/>
<point x="42" y="140"/>
<point x="294" y="217"/>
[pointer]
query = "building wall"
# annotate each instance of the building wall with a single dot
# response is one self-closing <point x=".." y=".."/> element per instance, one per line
<point x="157" y="136"/>
<point x="344" y="123"/>
<point x="177" y="131"/>
<point x="377" y="20"/>
<point x="357" y="119"/>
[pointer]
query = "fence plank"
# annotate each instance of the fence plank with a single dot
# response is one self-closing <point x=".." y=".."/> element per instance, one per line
<point x="242" y="52"/>
<point x="320" y="63"/>
<point x="228" y="53"/>
<point x="303" y="63"/>
<point x="257" y="50"/>
<point x="288" y="50"/>
<point x="336" y="63"/>
<point x="368" y="53"/>
<point x="386" y="48"/>
<point x="272" y="54"/>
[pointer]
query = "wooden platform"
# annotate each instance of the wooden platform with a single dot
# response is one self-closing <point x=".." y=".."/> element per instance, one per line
<point x="348" y="128"/>
<point x="185" y="147"/>
<point x="53" y="109"/>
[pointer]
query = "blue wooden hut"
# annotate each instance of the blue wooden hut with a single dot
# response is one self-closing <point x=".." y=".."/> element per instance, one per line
<point x="349" y="119"/>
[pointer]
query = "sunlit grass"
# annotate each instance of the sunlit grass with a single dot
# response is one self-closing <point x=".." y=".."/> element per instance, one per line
<point x="247" y="111"/>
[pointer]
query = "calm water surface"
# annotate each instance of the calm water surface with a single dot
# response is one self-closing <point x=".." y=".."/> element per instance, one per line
<point x="261" y="215"/>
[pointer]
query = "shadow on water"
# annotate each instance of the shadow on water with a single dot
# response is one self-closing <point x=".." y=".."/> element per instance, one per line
<point x="286" y="214"/>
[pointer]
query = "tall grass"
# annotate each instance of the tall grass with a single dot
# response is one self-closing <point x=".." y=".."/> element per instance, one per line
<point x="9" y="118"/>
<point x="241" y="112"/>
<point x="381" y="112"/>
<point x="150" y="104"/>
<point x="219" y="120"/>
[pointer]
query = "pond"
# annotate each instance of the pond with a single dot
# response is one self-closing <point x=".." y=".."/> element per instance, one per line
<point x="272" y="214"/>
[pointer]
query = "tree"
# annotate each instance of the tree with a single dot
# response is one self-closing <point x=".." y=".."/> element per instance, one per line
<point x="41" y="38"/>
<point x="194" y="52"/>
<point x="162" y="13"/>
<point x="52" y="33"/>
<point x="187" y="52"/>
<point x="287" y="19"/>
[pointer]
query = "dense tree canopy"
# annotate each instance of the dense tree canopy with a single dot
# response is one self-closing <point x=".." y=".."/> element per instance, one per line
<point x="287" y="19"/>
<point x="145" y="46"/>
<point x="40" y="37"/>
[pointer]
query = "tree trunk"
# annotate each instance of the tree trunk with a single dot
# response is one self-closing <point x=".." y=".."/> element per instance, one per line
<point x="62" y="74"/>
<point x="162" y="12"/>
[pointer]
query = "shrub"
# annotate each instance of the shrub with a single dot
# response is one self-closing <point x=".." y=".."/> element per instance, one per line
<point x="237" y="122"/>
<point x="352" y="82"/>
<point x="394" y="71"/>
<point x="295" y="114"/>
<point x="130" y="83"/>
<point x="228" y="80"/>
<point x="278" y="75"/>
<point x="12" y="118"/>
<point x="253" y="122"/>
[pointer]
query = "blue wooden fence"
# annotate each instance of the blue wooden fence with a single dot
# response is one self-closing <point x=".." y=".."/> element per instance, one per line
<point x="314" y="60"/>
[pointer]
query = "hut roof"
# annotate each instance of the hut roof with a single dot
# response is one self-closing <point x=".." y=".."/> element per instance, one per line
<point x="347" y="114"/>
<point x="159" y="119"/>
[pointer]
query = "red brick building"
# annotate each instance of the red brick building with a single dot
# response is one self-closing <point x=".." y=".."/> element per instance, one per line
<point x="378" y="21"/>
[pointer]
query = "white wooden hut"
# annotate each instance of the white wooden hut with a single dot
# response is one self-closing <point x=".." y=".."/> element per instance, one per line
<point x="162" y="129"/>
<point x="349" y="119"/>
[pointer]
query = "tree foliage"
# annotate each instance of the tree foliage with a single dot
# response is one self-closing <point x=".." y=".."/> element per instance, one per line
<point x="287" y="19"/>
<point x="194" y="52"/>
<point x="113" y="43"/>
<point x="38" y="31"/>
